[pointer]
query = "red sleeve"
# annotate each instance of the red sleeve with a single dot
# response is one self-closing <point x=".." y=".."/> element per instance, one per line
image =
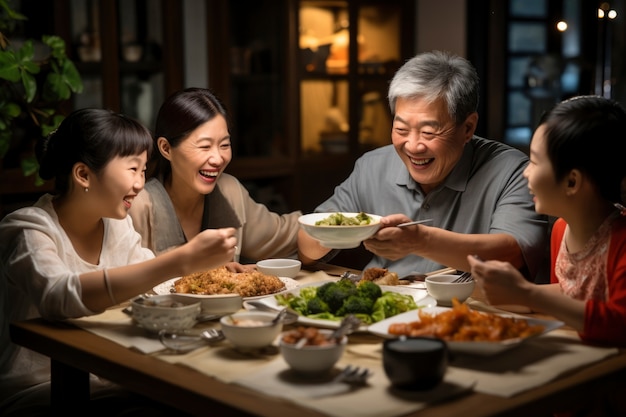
<point x="605" y="322"/>
<point x="556" y="236"/>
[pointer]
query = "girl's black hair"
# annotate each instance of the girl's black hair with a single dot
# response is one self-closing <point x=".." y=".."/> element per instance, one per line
<point x="91" y="136"/>
<point x="588" y="133"/>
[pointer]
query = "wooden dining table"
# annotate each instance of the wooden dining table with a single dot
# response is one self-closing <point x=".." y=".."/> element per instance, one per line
<point x="75" y="353"/>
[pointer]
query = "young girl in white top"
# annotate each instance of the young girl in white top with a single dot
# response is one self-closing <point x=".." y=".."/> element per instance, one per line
<point x="75" y="252"/>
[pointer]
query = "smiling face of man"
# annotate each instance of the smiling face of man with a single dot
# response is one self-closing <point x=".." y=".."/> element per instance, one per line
<point x="428" y="140"/>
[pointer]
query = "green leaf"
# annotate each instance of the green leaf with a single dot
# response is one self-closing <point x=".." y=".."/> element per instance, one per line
<point x="71" y="76"/>
<point x="30" y="67"/>
<point x="47" y="128"/>
<point x="13" y="14"/>
<point x="9" y="110"/>
<point x="30" y="86"/>
<point x="29" y="165"/>
<point x="26" y="52"/>
<point x="9" y="68"/>
<point x="38" y="180"/>
<point x="57" y="46"/>
<point x="55" y="88"/>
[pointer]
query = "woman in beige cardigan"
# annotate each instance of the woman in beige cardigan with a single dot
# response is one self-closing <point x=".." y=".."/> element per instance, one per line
<point x="189" y="191"/>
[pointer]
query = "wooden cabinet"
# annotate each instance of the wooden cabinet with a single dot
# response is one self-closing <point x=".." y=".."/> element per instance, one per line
<point x="129" y="54"/>
<point x="306" y="85"/>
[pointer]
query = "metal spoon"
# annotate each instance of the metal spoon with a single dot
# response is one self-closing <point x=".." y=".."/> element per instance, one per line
<point x="279" y="317"/>
<point x="181" y="342"/>
<point x="289" y="317"/>
<point x="349" y="324"/>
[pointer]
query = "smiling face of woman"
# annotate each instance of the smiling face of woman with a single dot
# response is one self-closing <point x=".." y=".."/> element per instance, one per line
<point x="199" y="160"/>
<point x="428" y="140"/>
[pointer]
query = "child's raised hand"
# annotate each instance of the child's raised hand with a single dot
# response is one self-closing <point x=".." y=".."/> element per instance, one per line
<point x="211" y="248"/>
<point x="500" y="282"/>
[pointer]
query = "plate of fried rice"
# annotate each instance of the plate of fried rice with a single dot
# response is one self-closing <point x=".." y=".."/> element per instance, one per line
<point x="220" y="281"/>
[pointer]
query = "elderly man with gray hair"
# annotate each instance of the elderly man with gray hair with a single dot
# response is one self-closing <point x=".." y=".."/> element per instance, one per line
<point x="436" y="168"/>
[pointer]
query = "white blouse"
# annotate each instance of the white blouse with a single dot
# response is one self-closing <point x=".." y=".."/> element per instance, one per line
<point x="39" y="271"/>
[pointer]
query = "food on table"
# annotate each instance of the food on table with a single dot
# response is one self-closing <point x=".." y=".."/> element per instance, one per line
<point x="222" y="281"/>
<point x="248" y="322"/>
<point x="381" y="276"/>
<point x="336" y="299"/>
<point x="460" y="324"/>
<point x="312" y="335"/>
<point x="339" y="219"/>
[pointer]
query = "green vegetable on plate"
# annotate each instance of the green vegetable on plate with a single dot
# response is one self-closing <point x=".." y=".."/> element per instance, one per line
<point x="334" y="300"/>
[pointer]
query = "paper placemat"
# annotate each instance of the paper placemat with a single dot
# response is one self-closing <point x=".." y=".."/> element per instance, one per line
<point x="376" y="399"/>
<point x="117" y="326"/>
<point x="531" y="364"/>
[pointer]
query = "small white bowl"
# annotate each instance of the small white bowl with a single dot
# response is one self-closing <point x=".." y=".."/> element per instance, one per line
<point x="279" y="267"/>
<point x="165" y="312"/>
<point x="312" y="359"/>
<point x="251" y="329"/>
<point x="339" y="237"/>
<point x="442" y="289"/>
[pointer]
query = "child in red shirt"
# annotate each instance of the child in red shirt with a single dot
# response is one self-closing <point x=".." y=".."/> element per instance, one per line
<point x="577" y="174"/>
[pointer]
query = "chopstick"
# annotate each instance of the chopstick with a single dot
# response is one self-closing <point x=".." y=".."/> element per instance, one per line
<point x="442" y="271"/>
<point x="414" y="222"/>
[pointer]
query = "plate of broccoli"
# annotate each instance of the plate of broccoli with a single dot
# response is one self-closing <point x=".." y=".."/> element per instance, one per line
<point x="325" y="303"/>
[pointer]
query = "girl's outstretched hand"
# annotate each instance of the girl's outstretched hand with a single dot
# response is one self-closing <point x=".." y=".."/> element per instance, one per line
<point x="210" y="249"/>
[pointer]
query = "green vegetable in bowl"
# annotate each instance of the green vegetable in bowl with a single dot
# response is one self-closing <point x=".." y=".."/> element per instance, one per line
<point x="339" y="219"/>
<point x="334" y="300"/>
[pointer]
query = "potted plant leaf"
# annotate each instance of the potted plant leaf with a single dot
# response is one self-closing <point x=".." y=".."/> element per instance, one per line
<point x="36" y="81"/>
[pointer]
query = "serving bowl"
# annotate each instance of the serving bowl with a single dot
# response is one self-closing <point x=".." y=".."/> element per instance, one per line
<point x="165" y="312"/>
<point x="442" y="289"/>
<point x="339" y="236"/>
<point x="251" y="329"/>
<point x="279" y="267"/>
<point x="311" y="359"/>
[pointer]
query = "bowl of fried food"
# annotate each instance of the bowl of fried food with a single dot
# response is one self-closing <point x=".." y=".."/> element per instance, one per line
<point x="309" y="350"/>
<point x="340" y="230"/>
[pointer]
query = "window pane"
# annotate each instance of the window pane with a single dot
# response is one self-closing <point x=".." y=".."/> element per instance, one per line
<point x="570" y="78"/>
<point x="518" y="68"/>
<point x="519" y="109"/>
<point x="519" y="136"/>
<point x="527" y="37"/>
<point x="528" y="8"/>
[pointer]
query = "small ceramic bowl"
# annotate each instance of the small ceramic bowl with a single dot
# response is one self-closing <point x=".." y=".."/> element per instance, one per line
<point x="339" y="237"/>
<point x="165" y="312"/>
<point x="415" y="363"/>
<point x="251" y="329"/>
<point x="311" y="359"/>
<point x="279" y="267"/>
<point x="442" y="289"/>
